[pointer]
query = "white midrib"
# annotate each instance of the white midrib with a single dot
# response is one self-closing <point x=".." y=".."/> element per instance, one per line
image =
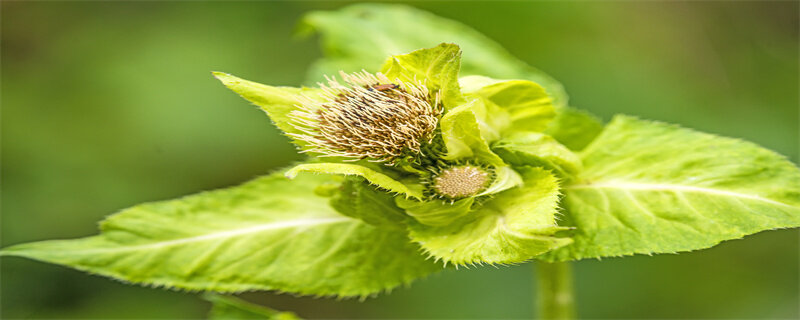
<point x="298" y="223"/>
<point x="671" y="187"/>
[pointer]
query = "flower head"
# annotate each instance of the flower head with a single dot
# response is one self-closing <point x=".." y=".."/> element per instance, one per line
<point x="369" y="116"/>
<point x="475" y="148"/>
<point x="460" y="181"/>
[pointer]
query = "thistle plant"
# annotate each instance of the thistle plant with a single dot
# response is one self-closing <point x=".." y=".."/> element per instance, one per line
<point x="448" y="153"/>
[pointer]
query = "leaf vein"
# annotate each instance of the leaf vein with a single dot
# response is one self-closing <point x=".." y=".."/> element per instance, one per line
<point x="674" y="188"/>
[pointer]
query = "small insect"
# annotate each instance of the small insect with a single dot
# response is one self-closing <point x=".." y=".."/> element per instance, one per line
<point x="385" y="87"/>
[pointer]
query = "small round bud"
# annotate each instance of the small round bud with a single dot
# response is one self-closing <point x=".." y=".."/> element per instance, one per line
<point x="461" y="181"/>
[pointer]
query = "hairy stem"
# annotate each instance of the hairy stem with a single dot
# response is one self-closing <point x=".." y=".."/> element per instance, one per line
<point x="555" y="296"/>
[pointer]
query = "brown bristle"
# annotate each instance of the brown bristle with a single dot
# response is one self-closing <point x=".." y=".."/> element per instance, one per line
<point x="369" y="117"/>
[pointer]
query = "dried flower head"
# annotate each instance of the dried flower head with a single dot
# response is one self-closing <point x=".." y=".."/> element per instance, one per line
<point x="369" y="116"/>
<point x="461" y="181"/>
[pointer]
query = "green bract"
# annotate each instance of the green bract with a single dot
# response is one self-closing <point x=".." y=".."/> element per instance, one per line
<point x="482" y="162"/>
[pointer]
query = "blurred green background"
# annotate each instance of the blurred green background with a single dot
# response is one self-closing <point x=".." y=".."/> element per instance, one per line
<point x="109" y="104"/>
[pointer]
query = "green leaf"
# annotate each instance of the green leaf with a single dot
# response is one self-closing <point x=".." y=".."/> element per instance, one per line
<point x="537" y="149"/>
<point x="435" y="212"/>
<point x="374" y="177"/>
<point x="574" y="128"/>
<point x="437" y="67"/>
<point x="357" y="199"/>
<point x="513" y="226"/>
<point x="650" y="187"/>
<point x="463" y="137"/>
<point x="277" y="102"/>
<point x="504" y="178"/>
<point x="267" y="234"/>
<point x="233" y="308"/>
<point x="361" y="36"/>
<point x="524" y="106"/>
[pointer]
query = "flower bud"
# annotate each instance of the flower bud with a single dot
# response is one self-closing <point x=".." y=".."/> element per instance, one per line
<point x="461" y="181"/>
<point x="368" y="117"/>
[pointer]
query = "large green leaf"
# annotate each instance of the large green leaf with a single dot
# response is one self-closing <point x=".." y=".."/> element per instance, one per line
<point x="348" y="169"/>
<point x="650" y="187"/>
<point x="267" y="234"/>
<point x="361" y="36"/>
<point x="277" y="102"/>
<point x="574" y="128"/>
<point x="513" y="226"/>
<point x="233" y="308"/>
<point x="437" y="67"/>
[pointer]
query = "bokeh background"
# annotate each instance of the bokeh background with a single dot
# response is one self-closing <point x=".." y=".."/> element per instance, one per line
<point x="109" y="104"/>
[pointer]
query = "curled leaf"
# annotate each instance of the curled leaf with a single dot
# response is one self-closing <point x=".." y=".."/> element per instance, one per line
<point x="511" y="105"/>
<point x="462" y="135"/>
<point x="357" y="199"/>
<point x="537" y="149"/>
<point x="374" y="177"/>
<point x="504" y="178"/>
<point x="435" y="212"/>
<point x="436" y="67"/>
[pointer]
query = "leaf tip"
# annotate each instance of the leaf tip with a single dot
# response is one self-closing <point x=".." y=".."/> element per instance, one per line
<point x="226" y="78"/>
<point x="291" y="174"/>
<point x="219" y="74"/>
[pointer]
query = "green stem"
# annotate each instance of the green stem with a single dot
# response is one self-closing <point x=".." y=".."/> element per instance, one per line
<point x="556" y="299"/>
